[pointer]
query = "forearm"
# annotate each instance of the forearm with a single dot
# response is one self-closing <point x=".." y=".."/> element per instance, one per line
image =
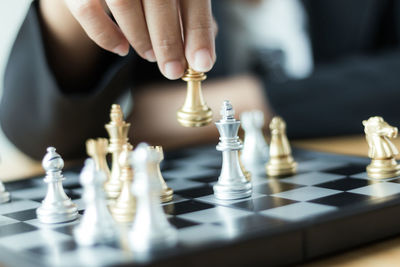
<point x="71" y="54"/>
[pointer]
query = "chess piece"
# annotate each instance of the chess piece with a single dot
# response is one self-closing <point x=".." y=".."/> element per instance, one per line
<point x="117" y="129"/>
<point x="194" y="112"/>
<point x="97" y="149"/>
<point x="97" y="225"/>
<point x="124" y="208"/>
<point x="381" y="149"/>
<point x="281" y="162"/>
<point x="246" y="173"/>
<point x="4" y="195"/>
<point x="57" y="207"/>
<point x="166" y="192"/>
<point x="232" y="184"/>
<point x="151" y="229"/>
<point x="254" y="155"/>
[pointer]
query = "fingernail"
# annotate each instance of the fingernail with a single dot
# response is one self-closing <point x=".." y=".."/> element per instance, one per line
<point x="173" y="70"/>
<point x="150" y="56"/>
<point x="202" y="60"/>
<point x="121" y="50"/>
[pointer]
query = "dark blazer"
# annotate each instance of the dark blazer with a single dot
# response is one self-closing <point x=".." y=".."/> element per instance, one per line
<point x="355" y="46"/>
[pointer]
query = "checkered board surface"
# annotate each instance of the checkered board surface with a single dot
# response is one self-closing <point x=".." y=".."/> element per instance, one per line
<point x="330" y="205"/>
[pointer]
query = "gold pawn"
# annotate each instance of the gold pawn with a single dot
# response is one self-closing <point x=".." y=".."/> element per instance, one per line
<point x="194" y="112"/>
<point x="97" y="149"/>
<point x="281" y="162"/>
<point x="124" y="208"/>
<point x="166" y="192"/>
<point x="117" y="129"/>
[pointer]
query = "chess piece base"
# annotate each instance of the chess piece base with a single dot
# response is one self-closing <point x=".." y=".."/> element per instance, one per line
<point x="383" y="168"/>
<point x="48" y="213"/>
<point x="195" y="118"/>
<point x="4" y="197"/>
<point x="167" y="195"/>
<point x="154" y="241"/>
<point x="88" y="236"/>
<point x="278" y="167"/>
<point x="236" y="191"/>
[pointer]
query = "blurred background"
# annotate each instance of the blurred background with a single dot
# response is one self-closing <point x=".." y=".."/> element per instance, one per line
<point x="12" y="14"/>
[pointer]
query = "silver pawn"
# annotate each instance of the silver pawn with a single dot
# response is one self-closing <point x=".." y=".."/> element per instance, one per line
<point x="232" y="184"/>
<point x="255" y="151"/>
<point x="57" y="207"/>
<point x="151" y="229"/>
<point x="97" y="225"/>
<point x="4" y="195"/>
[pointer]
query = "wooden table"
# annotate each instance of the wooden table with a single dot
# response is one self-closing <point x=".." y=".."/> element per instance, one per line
<point x="384" y="253"/>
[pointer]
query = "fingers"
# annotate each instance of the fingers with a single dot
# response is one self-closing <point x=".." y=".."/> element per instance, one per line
<point x="98" y="25"/>
<point x="164" y="26"/>
<point x="199" y="34"/>
<point x="130" y="18"/>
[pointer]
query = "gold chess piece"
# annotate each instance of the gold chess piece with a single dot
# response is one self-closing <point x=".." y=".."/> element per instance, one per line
<point x="281" y="162"/>
<point x="381" y="149"/>
<point x="194" y="112"/>
<point x="124" y="208"/>
<point x="97" y="149"/>
<point x="117" y="129"/>
<point x="167" y="193"/>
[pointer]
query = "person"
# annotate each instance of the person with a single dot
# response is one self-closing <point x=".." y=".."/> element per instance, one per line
<point x="70" y="62"/>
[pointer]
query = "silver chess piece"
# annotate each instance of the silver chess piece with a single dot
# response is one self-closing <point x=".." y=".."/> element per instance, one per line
<point x="4" y="195"/>
<point x="57" y="207"/>
<point x="255" y="151"/>
<point x="96" y="226"/>
<point x="151" y="229"/>
<point x="232" y="183"/>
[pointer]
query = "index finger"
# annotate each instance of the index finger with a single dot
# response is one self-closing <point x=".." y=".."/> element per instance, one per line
<point x="199" y="35"/>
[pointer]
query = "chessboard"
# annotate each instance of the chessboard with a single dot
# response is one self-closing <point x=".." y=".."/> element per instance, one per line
<point x="330" y="205"/>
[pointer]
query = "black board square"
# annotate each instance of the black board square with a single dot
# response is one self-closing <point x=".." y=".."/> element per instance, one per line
<point x="346" y="184"/>
<point x="185" y="207"/>
<point x="274" y="187"/>
<point x="347" y="170"/>
<point x="343" y="199"/>
<point x="262" y="203"/>
<point x="254" y="223"/>
<point x="181" y="223"/>
<point x="196" y="192"/>
<point x="207" y="179"/>
<point x="23" y="215"/>
<point x="16" y="228"/>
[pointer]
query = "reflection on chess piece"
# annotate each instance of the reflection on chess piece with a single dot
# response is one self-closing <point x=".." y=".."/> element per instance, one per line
<point x="254" y="155"/>
<point x="97" y="149"/>
<point x="246" y="173"/>
<point x="166" y="192"/>
<point x="232" y="183"/>
<point x="381" y="149"/>
<point x="194" y="112"/>
<point x="125" y="207"/>
<point x="280" y="162"/>
<point x="57" y="207"/>
<point x="117" y="129"/>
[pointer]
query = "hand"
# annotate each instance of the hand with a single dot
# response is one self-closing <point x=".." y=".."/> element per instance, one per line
<point x="167" y="31"/>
